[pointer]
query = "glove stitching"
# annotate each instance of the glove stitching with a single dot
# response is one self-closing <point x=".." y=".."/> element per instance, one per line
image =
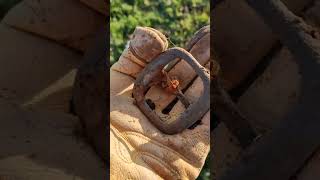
<point x="124" y="73"/>
<point x="155" y="142"/>
<point x="162" y="163"/>
<point x="142" y="62"/>
<point x="132" y="50"/>
<point x="126" y="144"/>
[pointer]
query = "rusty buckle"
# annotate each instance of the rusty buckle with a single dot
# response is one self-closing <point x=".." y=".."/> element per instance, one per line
<point x="194" y="112"/>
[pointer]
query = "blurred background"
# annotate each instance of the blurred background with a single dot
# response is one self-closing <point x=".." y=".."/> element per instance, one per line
<point x="177" y="19"/>
<point x="5" y="5"/>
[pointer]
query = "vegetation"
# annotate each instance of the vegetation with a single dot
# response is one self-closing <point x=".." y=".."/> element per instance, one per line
<point x="177" y="19"/>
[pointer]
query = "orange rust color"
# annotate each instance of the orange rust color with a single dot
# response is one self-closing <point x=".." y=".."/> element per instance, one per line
<point x="172" y="86"/>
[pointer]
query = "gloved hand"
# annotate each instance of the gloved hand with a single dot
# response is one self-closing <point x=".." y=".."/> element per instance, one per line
<point x="138" y="150"/>
<point x="39" y="50"/>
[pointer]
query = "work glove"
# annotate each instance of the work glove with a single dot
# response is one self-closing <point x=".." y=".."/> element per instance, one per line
<point x="38" y="145"/>
<point x="138" y="150"/>
<point x="41" y="45"/>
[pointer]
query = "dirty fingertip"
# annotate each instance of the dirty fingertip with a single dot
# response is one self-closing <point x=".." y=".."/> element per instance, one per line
<point x="146" y="43"/>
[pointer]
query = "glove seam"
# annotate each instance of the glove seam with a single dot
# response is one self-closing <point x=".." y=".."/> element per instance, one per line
<point x="139" y="58"/>
<point x="145" y="153"/>
<point x="155" y="142"/>
<point x="117" y="133"/>
<point x="43" y="37"/>
<point x="140" y="152"/>
<point x="116" y="70"/>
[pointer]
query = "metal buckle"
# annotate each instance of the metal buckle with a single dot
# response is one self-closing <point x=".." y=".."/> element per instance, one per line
<point x="193" y="112"/>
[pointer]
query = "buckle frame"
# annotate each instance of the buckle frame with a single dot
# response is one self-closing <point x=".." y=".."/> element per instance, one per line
<point x="193" y="112"/>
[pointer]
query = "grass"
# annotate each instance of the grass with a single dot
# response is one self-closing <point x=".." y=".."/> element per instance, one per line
<point x="178" y="19"/>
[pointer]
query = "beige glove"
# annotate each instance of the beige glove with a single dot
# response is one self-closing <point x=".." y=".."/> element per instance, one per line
<point x="138" y="150"/>
<point x="42" y="43"/>
<point x="40" y="47"/>
<point x="42" y="145"/>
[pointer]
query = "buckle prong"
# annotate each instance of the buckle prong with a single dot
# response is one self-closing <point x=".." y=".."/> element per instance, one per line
<point x="194" y="111"/>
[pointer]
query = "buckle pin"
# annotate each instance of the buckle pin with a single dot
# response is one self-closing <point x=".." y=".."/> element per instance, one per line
<point x="194" y="111"/>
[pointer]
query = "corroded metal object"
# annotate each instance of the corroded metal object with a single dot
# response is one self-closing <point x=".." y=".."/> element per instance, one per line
<point x="150" y="75"/>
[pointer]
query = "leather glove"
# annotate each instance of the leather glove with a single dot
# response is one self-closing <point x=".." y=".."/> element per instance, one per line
<point x="47" y="145"/>
<point x="50" y="37"/>
<point x="138" y="150"/>
<point x="39" y="50"/>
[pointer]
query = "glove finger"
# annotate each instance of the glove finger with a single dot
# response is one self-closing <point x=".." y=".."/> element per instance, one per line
<point x="68" y="23"/>
<point x="47" y="68"/>
<point x="183" y="72"/>
<point x="187" y="149"/>
<point x="181" y="154"/>
<point x="169" y="153"/>
<point x="146" y="44"/>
